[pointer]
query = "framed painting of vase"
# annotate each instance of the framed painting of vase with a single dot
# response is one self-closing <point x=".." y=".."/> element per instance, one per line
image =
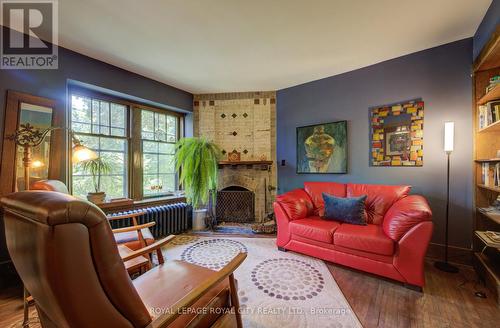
<point x="322" y="148"/>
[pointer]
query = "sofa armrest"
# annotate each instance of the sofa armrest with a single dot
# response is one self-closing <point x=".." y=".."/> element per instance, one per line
<point x="404" y="215"/>
<point x="290" y="206"/>
<point x="296" y="204"/>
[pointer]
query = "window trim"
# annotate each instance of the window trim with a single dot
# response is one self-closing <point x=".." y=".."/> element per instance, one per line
<point x="132" y="135"/>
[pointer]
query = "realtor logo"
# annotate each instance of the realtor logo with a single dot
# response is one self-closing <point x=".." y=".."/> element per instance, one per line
<point x="29" y="35"/>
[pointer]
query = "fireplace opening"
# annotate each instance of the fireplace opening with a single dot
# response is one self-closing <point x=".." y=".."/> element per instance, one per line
<point x="235" y="204"/>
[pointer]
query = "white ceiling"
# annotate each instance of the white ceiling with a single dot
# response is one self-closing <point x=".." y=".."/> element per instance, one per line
<point x="205" y="46"/>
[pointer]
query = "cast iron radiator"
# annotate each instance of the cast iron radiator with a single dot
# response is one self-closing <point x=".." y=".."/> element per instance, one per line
<point x="170" y="219"/>
<point x="235" y="204"/>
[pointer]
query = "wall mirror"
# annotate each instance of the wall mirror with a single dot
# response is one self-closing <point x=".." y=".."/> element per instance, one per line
<point x="42" y="114"/>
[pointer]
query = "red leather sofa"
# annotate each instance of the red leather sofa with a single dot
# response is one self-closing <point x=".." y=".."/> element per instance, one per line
<point x="393" y="244"/>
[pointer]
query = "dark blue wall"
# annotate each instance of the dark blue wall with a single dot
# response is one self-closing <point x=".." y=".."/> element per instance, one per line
<point x="441" y="77"/>
<point x="486" y="28"/>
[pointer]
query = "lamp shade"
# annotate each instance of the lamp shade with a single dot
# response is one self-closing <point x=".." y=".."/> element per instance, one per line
<point x="82" y="153"/>
<point x="449" y="135"/>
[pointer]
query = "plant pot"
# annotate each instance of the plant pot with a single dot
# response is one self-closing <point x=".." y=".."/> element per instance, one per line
<point x="96" y="197"/>
<point x="199" y="219"/>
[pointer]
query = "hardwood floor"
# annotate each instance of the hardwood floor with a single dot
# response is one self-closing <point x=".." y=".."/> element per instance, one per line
<point x="448" y="300"/>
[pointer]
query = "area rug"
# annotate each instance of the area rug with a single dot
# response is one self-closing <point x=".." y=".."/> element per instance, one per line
<point x="276" y="289"/>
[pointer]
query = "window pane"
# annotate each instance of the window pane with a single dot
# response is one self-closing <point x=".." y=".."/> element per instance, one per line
<point x="113" y="185"/>
<point x="118" y="115"/>
<point x="82" y="185"/>
<point x="166" y="163"/>
<point x="104" y="113"/>
<point x="150" y="163"/>
<point x="147" y="122"/>
<point x="81" y="127"/>
<point x="167" y="148"/>
<point x="168" y="182"/>
<point x="119" y="132"/>
<point x="161" y="127"/>
<point x="115" y="160"/>
<point x="150" y="147"/>
<point x="88" y="141"/>
<point x="172" y="125"/>
<point x="80" y="109"/>
<point x="95" y="116"/>
<point x="152" y="185"/>
<point x="113" y="144"/>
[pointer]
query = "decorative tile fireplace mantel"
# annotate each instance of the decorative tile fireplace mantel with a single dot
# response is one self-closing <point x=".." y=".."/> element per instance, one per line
<point x="244" y="123"/>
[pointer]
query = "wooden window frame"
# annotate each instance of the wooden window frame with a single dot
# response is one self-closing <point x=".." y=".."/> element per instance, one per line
<point x="133" y="136"/>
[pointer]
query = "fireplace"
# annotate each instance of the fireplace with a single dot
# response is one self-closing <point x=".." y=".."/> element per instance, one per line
<point x="235" y="204"/>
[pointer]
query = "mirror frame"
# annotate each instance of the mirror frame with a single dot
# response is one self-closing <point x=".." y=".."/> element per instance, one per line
<point x="11" y="122"/>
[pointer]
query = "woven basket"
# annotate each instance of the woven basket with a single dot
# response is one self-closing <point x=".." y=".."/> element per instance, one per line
<point x="267" y="227"/>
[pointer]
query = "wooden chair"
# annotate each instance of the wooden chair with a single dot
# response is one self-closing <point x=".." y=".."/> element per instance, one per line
<point x="64" y="251"/>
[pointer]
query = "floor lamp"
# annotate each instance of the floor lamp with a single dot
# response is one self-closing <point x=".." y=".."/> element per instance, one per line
<point x="449" y="131"/>
<point x="27" y="137"/>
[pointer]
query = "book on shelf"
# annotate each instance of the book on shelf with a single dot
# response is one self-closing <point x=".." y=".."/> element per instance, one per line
<point x="492" y="83"/>
<point x="490" y="174"/>
<point x="488" y="114"/>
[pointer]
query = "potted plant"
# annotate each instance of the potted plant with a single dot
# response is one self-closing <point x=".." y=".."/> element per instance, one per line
<point x="197" y="162"/>
<point x="96" y="167"/>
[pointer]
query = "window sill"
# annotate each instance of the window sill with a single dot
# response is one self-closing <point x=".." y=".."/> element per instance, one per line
<point x="156" y="200"/>
<point x="129" y="204"/>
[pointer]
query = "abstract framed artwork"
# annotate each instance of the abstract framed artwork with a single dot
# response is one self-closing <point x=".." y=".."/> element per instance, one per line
<point x="322" y="148"/>
<point x="397" y="134"/>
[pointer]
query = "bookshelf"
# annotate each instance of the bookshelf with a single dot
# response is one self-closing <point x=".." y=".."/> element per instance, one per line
<point x="486" y="145"/>
<point x="493" y="94"/>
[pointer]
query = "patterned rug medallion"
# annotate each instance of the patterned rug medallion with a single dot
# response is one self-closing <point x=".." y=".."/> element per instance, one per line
<point x="276" y="289"/>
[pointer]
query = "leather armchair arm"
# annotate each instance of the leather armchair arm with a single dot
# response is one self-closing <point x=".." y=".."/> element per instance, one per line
<point x="194" y="295"/>
<point x="404" y="215"/>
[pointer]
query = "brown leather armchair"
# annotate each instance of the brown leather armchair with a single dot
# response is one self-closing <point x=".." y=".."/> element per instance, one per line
<point x="50" y="185"/>
<point x="64" y="251"/>
<point x="133" y="238"/>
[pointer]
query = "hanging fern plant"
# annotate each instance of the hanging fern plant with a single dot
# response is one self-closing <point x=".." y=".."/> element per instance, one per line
<point x="197" y="161"/>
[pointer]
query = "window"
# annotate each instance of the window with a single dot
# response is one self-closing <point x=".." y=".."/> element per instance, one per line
<point x="147" y="148"/>
<point x="100" y="125"/>
<point x="159" y="134"/>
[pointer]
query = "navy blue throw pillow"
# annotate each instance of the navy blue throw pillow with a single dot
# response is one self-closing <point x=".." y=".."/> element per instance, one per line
<point x="348" y="210"/>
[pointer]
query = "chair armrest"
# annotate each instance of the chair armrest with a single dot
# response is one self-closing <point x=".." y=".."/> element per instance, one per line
<point x="149" y="249"/>
<point x="296" y="204"/>
<point x="134" y="228"/>
<point x="125" y="216"/>
<point x="198" y="292"/>
<point x="404" y="215"/>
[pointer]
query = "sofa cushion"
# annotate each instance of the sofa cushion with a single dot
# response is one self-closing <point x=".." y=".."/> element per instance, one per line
<point x="370" y="238"/>
<point x="380" y="198"/>
<point x="314" y="228"/>
<point x="345" y="209"/>
<point x="296" y="203"/>
<point x="316" y="189"/>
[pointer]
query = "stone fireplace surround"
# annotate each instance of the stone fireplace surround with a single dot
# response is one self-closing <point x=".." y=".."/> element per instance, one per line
<point x="244" y="122"/>
<point x="254" y="179"/>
